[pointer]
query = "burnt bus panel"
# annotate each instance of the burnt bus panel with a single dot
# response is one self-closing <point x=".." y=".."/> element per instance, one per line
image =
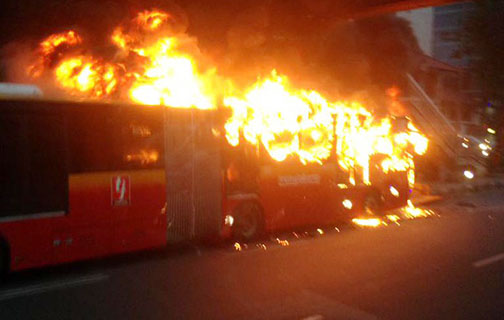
<point x="193" y="178"/>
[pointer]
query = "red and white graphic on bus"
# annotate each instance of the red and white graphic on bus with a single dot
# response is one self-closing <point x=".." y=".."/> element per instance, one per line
<point x="121" y="191"/>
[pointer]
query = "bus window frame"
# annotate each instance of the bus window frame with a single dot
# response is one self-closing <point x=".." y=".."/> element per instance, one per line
<point x="25" y="118"/>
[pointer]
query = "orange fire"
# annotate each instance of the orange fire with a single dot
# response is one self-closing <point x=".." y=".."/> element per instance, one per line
<point x="409" y="212"/>
<point x="298" y="123"/>
<point x="81" y="74"/>
<point x="48" y="47"/>
<point x="367" y="222"/>
<point x="154" y="64"/>
<point x="143" y="157"/>
<point x="151" y="66"/>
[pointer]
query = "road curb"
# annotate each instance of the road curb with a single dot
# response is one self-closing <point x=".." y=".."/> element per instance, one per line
<point x="475" y="186"/>
<point x="425" y="200"/>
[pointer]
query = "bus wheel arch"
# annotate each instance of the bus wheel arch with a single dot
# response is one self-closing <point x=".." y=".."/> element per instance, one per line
<point x="249" y="223"/>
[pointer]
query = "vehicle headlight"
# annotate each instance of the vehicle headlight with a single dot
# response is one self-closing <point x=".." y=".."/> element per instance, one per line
<point x="347" y="204"/>
<point x="228" y="220"/>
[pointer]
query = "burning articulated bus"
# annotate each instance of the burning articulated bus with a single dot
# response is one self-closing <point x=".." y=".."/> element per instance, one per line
<point x="217" y="190"/>
<point x="261" y="195"/>
<point x="86" y="180"/>
<point x="145" y="147"/>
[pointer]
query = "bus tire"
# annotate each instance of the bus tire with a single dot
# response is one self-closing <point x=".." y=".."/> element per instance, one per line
<point x="373" y="203"/>
<point x="248" y="222"/>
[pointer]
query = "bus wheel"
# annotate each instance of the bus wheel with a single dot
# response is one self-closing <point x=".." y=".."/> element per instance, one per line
<point x="373" y="204"/>
<point x="248" y="224"/>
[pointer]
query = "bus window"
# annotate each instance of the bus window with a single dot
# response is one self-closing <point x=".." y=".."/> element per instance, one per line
<point x="11" y="165"/>
<point x="92" y="143"/>
<point x="32" y="165"/>
<point x="115" y="141"/>
<point x="142" y="142"/>
<point x="47" y="185"/>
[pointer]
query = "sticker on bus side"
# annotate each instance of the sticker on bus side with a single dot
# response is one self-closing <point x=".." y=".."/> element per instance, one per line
<point x="284" y="181"/>
<point x="121" y="191"/>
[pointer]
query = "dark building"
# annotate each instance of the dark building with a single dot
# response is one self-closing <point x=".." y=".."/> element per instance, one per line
<point x="448" y="22"/>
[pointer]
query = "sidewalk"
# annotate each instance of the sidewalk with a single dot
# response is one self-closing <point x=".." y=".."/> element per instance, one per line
<point x="478" y="184"/>
<point x="419" y="199"/>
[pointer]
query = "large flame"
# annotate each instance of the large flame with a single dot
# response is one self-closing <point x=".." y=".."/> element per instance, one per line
<point x="154" y="64"/>
<point x="298" y="123"/>
<point x="151" y="66"/>
<point x="48" y="47"/>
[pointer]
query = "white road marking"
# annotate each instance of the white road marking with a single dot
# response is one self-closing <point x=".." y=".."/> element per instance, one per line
<point x="50" y="286"/>
<point x="489" y="260"/>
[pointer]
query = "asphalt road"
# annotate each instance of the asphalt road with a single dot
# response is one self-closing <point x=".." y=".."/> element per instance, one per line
<point x="446" y="267"/>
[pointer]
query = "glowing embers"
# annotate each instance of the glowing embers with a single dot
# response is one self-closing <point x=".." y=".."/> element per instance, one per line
<point x="406" y="213"/>
<point x="143" y="157"/>
<point x="412" y="212"/>
<point x="367" y="222"/>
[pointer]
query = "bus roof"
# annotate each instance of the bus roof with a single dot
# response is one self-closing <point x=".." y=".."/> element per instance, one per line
<point x="16" y="91"/>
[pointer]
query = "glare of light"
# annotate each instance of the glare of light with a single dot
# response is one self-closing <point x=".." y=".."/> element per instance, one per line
<point x="393" y="218"/>
<point x="370" y="222"/>
<point x="215" y="132"/>
<point x="412" y="212"/>
<point x="229" y="221"/>
<point x="237" y="246"/>
<point x="483" y="146"/>
<point x="468" y="174"/>
<point x="320" y="231"/>
<point x="465" y="145"/>
<point x="283" y="243"/>
<point x="342" y="186"/>
<point x="347" y="204"/>
<point x="491" y="131"/>
<point x="394" y="191"/>
<point x="487" y="141"/>
<point x="485" y="153"/>
<point x="261" y="246"/>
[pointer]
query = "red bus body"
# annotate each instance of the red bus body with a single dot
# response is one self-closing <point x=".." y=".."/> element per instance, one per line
<point x="90" y="222"/>
<point x="297" y="196"/>
<point x="91" y="180"/>
<point x="91" y="227"/>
